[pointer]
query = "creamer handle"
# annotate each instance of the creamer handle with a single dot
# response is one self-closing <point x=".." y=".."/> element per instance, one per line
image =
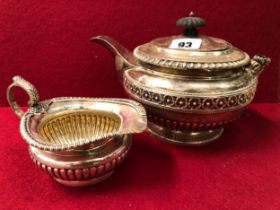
<point x="28" y="88"/>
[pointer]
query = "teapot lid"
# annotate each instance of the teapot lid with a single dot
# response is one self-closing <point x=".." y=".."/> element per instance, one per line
<point x="190" y="50"/>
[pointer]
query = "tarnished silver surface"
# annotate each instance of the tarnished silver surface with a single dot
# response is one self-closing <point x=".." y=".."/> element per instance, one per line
<point x="189" y="94"/>
<point x="78" y="141"/>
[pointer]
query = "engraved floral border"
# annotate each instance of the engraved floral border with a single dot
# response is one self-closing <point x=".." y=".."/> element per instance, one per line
<point x="191" y="103"/>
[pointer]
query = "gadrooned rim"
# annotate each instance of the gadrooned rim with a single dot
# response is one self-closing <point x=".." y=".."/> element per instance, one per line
<point x="31" y="140"/>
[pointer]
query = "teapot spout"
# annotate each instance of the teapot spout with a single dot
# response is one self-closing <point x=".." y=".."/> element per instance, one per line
<point x="258" y="62"/>
<point x="123" y="57"/>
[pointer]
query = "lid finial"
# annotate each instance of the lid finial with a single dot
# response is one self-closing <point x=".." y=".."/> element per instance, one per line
<point x="190" y="23"/>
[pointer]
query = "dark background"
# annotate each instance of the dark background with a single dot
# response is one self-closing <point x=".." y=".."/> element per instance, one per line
<point x="47" y="42"/>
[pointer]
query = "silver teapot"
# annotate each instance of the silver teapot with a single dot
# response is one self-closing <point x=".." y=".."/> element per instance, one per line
<point x="190" y="85"/>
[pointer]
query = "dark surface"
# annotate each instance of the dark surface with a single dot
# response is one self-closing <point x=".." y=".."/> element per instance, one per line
<point x="47" y="42"/>
<point x="239" y="171"/>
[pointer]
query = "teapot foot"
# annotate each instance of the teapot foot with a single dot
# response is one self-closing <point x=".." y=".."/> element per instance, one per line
<point x="185" y="137"/>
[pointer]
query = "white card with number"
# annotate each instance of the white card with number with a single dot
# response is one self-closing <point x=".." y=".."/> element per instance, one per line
<point x="186" y="43"/>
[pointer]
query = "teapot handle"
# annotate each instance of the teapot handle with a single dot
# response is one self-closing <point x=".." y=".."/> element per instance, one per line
<point x="258" y="62"/>
<point x="18" y="81"/>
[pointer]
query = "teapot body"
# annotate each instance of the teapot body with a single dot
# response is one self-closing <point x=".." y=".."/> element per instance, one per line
<point x="190" y="110"/>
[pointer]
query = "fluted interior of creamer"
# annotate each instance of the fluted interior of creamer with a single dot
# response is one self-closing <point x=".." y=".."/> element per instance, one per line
<point x="78" y="126"/>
